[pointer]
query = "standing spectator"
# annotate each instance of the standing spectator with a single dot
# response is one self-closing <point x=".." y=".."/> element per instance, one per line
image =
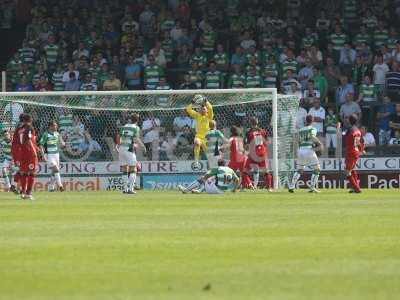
<point x="306" y="73"/>
<point x="320" y="83"/>
<point x="270" y="73"/>
<point x="23" y="85"/>
<point x="332" y="74"/>
<point x="27" y="53"/>
<point x="318" y="113"/>
<point x="57" y="78"/>
<point x="395" y="119"/>
<point x="89" y="84"/>
<point x="81" y="51"/>
<point x="221" y="59"/>
<point x="349" y="108"/>
<point x="369" y="139"/>
<point x="310" y="93"/>
<point x="237" y="79"/>
<point x="196" y="75"/>
<point x="152" y="74"/>
<point x="112" y="83"/>
<point x="151" y="133"/>
<point x="180" y="122"/>
<point x="43" y="85"/>
<point x="213" y="77"/>
<point x="159" y="55"/>
<point x="208" y="39"/>
<point x="347" y="58"/>
<point x="71" y="68"/>
<point x="393" y="82"/>
<point x="238" y="58"/>
<point x="183" y="58"/>
<point x="247" y="41"/>
<point x="133" y="75"/>
<point x="73" y="84"/>
<point x="385" y="112"/>
<point x="367" y="94"/>
<point x="52" y="52"/>
<point x="187" y="84"/>
<point x="289" y="63"/>
<point x="253" y="79"/>
<point x="145" y="19"/>
<point x="331" y="124"/>
<point x="301" y="116"/>
<point x="103" y="75"/>
<point x="343" y="90"/>
<point x="380" y="69"/>
<point x="338" y="40"/>
<point x="199" y="58"/>
<point x="360" y="70"/>
<point x="163" y="100"/>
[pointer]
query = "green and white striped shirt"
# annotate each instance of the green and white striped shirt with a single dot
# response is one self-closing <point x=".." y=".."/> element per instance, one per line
<point x="330" y="124"/>
<point x="50" y="142"/>
<point x="253" y="81"/>
<point x="213" y="80"/>
<point x="5" y="149"/>
<point x="152" y="74"/>
<point x="27" y="55"/>
<point x="338" y="40"/>
<point x="368" y="92"/>
<point x="237" y="81"/>
<point x="57" y="79"/>
<point x="128" y="134"/>
<point x="215" y="138"/>
<point x="52" y="52"/>
<point x="224" y="178"/>
<point x="306" y="135"/>
<point x="65" y="122"/>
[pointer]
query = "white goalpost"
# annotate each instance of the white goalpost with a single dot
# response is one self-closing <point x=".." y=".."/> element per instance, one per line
<point x="100" y="113"/>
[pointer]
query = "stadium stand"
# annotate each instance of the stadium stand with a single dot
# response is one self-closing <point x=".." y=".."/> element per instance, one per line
<point x="340" y="57"/>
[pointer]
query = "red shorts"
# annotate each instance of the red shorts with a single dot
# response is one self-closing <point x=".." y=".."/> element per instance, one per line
<point x="350" y="162"/>
<point x="238" y="165"/>
<point x="28" y="165"/>
<point x="261" y="162"/>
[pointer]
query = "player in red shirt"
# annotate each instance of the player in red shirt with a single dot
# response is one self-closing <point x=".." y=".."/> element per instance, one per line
<point x="25" y="154"/>
<point x="238" y="157"/>
<point x="257" y="161"/>
<point x="354" y="149"/>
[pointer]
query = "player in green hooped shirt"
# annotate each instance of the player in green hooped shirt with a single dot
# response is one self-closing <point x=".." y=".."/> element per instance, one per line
<point x="50" y="144"/>
<point x="216" y="181"/>
<point x="216" y="142"/>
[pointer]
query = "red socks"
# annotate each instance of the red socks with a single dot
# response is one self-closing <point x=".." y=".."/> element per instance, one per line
<point x="23" y="181"/>
<point x="30" y="182"/>
<point x="353" y="179"/>
<point x="246" y="181"/>
<point x="268" y="181"/>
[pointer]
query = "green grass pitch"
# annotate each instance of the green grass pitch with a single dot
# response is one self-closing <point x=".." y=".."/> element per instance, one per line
<point x="170" y="246"/>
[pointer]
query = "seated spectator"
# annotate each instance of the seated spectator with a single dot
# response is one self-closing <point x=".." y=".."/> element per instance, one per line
<point x="112" y="83"/>
<point x="133" y="74"/>
<point x="315" y="55"/>
<point x="318" y="113"/>
<point x="343" y="90"/>
<point x="348" y="108"/>
<point x="238" y="58"/>
<point x="369" y="140"/>
<point x="81" y="51"/>
<point x="187" y="84"/>
<point x="88" y="84"/>
<point x="73" y="84"/>
<point x="23" y="85"/>
<point x="163" y="100"/>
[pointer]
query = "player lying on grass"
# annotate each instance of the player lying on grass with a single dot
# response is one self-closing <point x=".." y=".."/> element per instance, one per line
<point x="306" y="155"/>
<point x="257" y="157"/>
<point x="126" y="141"/>
<point x="216" y="181"/>
<point x="49" y="144"/>
<point x="202" y="118"/>
<point x="354" y="149"/>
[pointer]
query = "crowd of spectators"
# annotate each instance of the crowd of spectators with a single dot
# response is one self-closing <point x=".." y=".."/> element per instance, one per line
<point x="339" y="57"/>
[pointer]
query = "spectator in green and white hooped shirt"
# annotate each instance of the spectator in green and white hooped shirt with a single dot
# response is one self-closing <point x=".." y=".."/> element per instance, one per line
<point x="52" y="52"/>
<point x="330" y="125"/>
<point x="216" y="142"/>
<point x="57" y="78"/>
<point x="163" y="100"/>
<point x="368" y="93"/>
<point x="50" y="144"/>
<point x="5" y="156"/>
<point x="338" y="39"/>
<point x="65" y="121"/>
<point x="152" y="74"/>
<point x="199" y="57"/>
<point x="40" y="72"/>
<point x="380" y="35"/>
<point x="270" y="73"/>
<point x="196" y="75"/>
<point x="252" y="64"/>
<point x="253" y="55"/>
<point x="27" y="53"/>
<point x="213" y="78"/>
<point x="221" y="59"/>
<point x="237" y="80"/>
<point x="253" y="80"/>
<point x="103" y="75"/>
<point x="207" y="40"/>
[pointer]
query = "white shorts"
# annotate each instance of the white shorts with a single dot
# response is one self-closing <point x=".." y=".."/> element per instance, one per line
<point x="211" y="188"/>
<point x="6" y="164"/>
<point x="307" y="158"/>
<point x="127" y="158"/>
<point x="53" y="160"/>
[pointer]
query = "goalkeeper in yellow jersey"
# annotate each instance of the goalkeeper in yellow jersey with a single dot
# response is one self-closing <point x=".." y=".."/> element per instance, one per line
<point x="202" y="118"/>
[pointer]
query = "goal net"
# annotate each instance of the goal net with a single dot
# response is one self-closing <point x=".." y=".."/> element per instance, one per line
<point x="89" y="121"/>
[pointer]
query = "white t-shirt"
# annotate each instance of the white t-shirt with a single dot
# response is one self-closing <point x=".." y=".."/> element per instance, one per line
<point x="153" y="134"/>
<point x="394" y="141"/>
<point x="66" y="75"/>
<point x="380" y="73"/>
<point x="15" y="110"/>
<point x="301" y="118"/>
<point x="246" y="44"/>
<point x="320" y="113"/>
<point x="369" y="139"/>
<point x="183" y="121"/>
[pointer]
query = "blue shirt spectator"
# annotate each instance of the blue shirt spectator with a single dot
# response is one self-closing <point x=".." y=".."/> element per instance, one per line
<point x="73" y="84"/>
<point x="24" y="86"/>
<point x="238" y="58"/>
<point x="342" y="90"/>
<point x="132" y="74"/>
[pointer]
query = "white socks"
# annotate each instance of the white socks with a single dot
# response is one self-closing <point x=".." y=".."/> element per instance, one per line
<point x="295" y="178"/>
<point x="131" y="181"/>
<point x="7" y="182"/>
